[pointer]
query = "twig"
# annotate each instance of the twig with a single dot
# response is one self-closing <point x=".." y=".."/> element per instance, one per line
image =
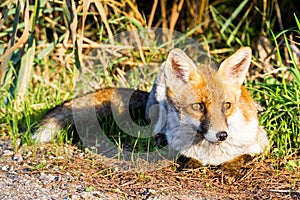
<point x="164" y="13"/>
<point x="286" y="191"/>
<point x="150" y="21"/>
<point x="175" y="14"/>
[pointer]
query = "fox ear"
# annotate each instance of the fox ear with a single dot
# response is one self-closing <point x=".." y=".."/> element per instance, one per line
<point x="179" y="66"/>
<point x="233" y="70"/>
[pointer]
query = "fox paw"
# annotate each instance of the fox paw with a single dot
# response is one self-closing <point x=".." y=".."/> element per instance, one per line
<point x="187" y="162"/>
<point x="235" y="168"/>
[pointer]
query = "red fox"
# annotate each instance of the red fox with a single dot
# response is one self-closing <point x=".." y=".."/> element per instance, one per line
<point x="206" y="114"/>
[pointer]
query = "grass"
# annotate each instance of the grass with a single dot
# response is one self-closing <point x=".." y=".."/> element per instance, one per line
<point x="42" y="48"/>
<point x="281" y="100"/>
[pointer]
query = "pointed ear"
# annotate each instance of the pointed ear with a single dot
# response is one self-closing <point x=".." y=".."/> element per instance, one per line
<point x="179" y="66"/>
<point x="233" y="70"/>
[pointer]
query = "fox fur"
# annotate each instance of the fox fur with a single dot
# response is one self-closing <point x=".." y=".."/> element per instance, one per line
<point x="205" y="113"/>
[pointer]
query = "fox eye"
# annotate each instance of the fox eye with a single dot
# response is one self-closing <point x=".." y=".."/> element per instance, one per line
<point x="226" y="105"/>
<point x="198" y="107"/>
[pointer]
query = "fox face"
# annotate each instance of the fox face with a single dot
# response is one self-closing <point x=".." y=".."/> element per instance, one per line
<point x="196" y="94"/>
<point x="206" y="113"/>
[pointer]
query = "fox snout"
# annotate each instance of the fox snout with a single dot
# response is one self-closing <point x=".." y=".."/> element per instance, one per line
<point x="212" y="137"/>
<point x="222" y="135"/>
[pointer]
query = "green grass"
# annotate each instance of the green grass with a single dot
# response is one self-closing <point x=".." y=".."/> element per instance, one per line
<point x="39" y="74"/>
<point x="280" y="98"/>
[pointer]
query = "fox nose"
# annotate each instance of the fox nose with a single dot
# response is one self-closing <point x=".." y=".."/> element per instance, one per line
<point x="222" y="135"/>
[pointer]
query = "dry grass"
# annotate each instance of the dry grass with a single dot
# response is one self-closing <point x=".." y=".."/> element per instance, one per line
<point x="257" y="180"/>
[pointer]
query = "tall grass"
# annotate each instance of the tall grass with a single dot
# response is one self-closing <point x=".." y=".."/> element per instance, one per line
<point x="281" y="99"/>
<point x="43" y="45"/>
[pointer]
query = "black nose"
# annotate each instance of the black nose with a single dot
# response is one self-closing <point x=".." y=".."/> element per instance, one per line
<point x="222" y="135"/>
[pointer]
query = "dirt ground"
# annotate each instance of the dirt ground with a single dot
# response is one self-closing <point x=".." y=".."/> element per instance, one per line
<point x="65" y="172"/>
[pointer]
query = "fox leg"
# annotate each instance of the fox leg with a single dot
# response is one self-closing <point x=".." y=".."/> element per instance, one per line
<point x="187" y="162"/>
<point x="234" y="166"/>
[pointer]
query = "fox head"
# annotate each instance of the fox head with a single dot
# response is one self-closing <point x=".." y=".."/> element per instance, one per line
<point x="201" y="99"/>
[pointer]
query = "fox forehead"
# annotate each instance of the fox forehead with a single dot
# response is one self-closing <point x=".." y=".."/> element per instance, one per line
<point x="206" y="86"/>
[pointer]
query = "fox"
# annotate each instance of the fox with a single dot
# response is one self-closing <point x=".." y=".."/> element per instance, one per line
<point x="204" y="112"/>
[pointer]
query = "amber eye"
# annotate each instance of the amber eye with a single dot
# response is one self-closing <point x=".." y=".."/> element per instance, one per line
<point x="227" y="105"/>
<point x="198" y="106"/>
